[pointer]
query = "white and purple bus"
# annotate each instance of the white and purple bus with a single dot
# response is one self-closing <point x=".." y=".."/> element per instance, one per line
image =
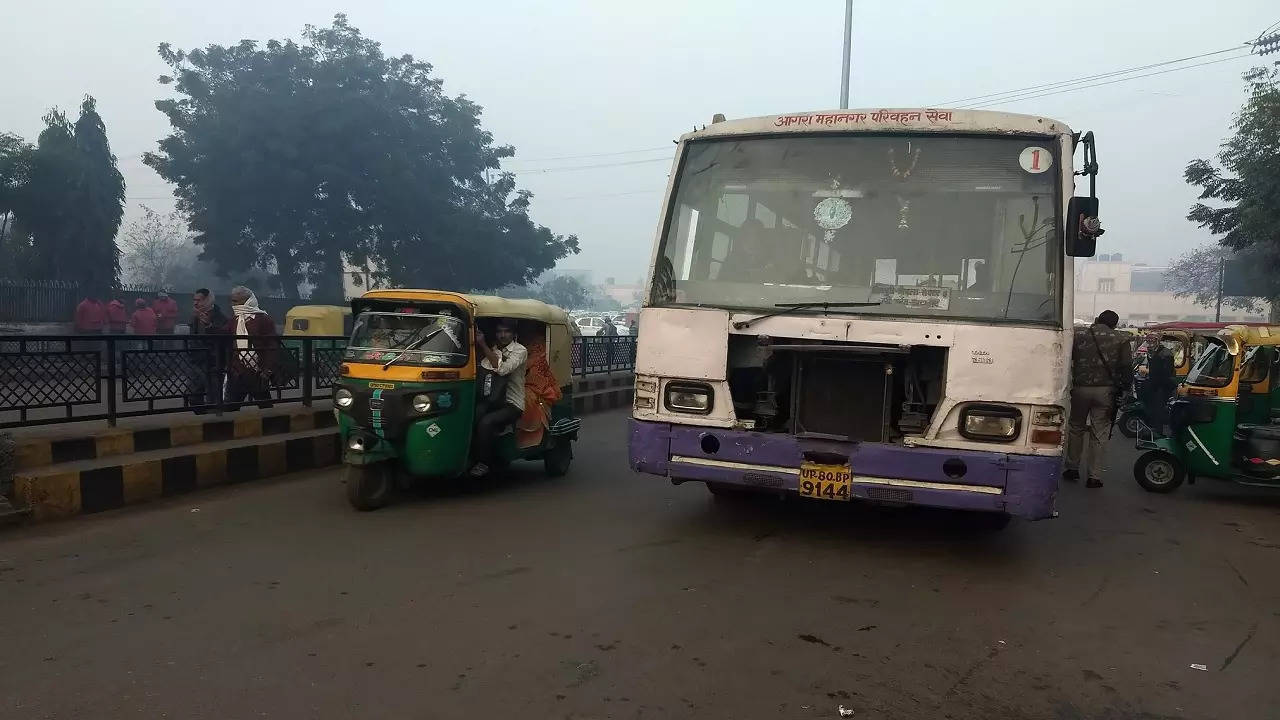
<point x="866" y="304"/>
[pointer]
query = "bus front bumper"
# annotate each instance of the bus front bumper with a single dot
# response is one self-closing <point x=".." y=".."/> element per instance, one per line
<point x="1020" y="485"/>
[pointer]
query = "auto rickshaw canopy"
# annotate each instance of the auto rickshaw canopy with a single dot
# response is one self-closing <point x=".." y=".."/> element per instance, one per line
<point x="318" y="320"/>
<point x="558" y="328"/>
<point x="1238" y="337"/>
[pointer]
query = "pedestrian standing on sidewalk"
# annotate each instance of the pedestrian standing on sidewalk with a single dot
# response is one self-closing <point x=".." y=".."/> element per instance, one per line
<point x="117" y="317"/>
<point x="253" y="358"/>
<point x="166" y="309"/>
<point x="143" y="319"/>
<point x="207" y="357"/>
<point x="1101" y="366"/>
<point x="91" y="316"/>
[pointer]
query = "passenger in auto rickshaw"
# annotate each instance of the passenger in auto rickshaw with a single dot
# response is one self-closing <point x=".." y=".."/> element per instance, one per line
<point x="500" y="400"/>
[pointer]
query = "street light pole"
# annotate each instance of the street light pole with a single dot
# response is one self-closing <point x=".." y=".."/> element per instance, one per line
<point x="848" y="39"/>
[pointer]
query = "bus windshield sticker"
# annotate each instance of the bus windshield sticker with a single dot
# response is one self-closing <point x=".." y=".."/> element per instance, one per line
<point x="1035" y="160"/>
<point x="936" y="298"/>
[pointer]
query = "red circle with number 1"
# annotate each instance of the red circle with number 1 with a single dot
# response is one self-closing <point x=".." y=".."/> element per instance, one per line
<point x="1035" y="159"/>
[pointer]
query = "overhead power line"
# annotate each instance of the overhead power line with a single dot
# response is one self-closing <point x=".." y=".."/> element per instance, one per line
<point x="1088" y="78"/>
<point x="539" y="171"/>
<point x="590" y="155"/>
<point x="1059" y="91"/>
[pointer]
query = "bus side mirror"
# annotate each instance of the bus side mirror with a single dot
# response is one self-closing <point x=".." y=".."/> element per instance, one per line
<point x="1082" y="227"/>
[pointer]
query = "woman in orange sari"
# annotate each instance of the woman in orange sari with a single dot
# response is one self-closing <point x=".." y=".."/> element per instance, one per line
<point x="541" y="391"/>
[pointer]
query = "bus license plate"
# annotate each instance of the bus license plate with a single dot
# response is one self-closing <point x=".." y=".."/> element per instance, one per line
<point x="825" y="482"/>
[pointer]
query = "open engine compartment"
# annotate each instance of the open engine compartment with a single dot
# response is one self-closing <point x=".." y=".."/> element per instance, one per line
<point x="836" y="390"/>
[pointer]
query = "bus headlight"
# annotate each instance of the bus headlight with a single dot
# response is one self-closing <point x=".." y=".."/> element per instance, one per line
<point x="685" y="397"/>
<point x="343" y="398"/>
<point x="998" y="423"/>
<point x="421" y="403"/>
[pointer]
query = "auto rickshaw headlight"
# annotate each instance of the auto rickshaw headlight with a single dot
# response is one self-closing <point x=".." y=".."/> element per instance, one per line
<point x="422" y="403"/>
<point x="343" y="398"/>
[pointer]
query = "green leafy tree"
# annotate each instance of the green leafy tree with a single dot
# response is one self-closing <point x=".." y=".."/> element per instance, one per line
<point x="304" y="157"/>
<point x="15" y="171"/>
<point x="69" y="203"/>
<point x="1245" y="181"/>
<point x="564" y="291"/>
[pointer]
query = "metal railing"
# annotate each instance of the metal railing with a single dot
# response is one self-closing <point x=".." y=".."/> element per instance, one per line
<point x="591" y="355"/>
<point x="46" y="379"/>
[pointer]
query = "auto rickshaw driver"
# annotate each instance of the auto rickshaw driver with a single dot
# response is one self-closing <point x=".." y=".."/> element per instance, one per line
<point x="505" y="360"/>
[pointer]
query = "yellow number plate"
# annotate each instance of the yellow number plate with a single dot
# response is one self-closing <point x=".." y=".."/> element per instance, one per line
<point x="825" y="482"/>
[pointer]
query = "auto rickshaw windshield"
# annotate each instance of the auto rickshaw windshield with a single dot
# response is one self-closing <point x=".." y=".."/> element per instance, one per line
<point x="436" y="340"/>
<point x="1214" y="367"/>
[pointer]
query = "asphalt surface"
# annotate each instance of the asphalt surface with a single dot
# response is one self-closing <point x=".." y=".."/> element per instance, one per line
<point x="606" y="594"/>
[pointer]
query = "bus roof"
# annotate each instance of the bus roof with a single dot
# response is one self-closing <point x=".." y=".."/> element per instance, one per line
<point x="483" y="305"/>
<point x="901" y="120"/>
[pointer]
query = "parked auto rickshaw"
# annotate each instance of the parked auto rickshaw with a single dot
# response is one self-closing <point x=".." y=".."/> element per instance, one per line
<point x="1221" y="417"/>
<point x="319" y="320"/>
<point x="408" y="393"/>
<point x="1131" y="417"/>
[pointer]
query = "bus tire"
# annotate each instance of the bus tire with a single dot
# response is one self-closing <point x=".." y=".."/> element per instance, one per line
<point x="369" y="487"/>
<point x="1131" y="423"/>
<point x="1159" y="472"/>
<point x="558" y="458"/>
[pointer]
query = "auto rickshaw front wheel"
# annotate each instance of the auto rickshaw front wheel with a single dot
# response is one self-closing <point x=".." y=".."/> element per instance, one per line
<point x="1158" y="471"/>
<point x="371" y="486"/>
<point x="1131" y="423"/>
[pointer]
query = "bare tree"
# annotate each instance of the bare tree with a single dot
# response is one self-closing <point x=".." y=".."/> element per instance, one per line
<point x="154" y="247"/>
<point x="1195" y="275"/>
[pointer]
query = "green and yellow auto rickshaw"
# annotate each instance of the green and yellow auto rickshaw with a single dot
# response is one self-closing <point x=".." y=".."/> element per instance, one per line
<point x="408" y="391"/>
<point x="1222" y="416"/>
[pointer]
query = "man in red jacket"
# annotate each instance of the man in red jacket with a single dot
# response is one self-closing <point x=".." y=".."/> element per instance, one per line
<point x="166" y="309"/>
<point x="90" y="316"/>
<point x="143" y="319"/>
<point x="116" y="317"/>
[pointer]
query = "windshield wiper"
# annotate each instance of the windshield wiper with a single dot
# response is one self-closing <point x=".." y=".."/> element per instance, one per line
<point x="413" y="346"/>
<point x="792" y="307"/>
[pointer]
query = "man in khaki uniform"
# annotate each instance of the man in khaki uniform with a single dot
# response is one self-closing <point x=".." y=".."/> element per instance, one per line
<point x="1101" y="367"/>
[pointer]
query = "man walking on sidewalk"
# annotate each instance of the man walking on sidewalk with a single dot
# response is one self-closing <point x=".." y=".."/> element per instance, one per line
<point x="1101" y="367"/>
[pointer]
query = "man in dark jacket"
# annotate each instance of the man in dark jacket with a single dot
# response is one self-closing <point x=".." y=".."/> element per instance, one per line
<point x="205" y="386"/>
<point x="1101" y="366"/>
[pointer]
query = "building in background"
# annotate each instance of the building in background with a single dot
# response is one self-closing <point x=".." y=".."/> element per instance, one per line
<point x="1138" y="295"/>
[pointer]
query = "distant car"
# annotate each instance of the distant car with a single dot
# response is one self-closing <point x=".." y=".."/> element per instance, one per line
<point x="590" y="325"/>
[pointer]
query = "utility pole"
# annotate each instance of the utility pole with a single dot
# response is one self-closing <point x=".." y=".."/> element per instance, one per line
<point x="848" y="39"/>
<point x="1222" y="274"/>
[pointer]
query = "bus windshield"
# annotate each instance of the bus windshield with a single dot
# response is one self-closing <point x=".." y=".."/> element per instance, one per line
<point x="961" y="227"/>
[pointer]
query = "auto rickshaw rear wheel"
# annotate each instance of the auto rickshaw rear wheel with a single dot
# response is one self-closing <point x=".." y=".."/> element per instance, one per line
<point x="558" y="457"/>
<point x="1158" y="471"/>
<point x="371" y="486"/>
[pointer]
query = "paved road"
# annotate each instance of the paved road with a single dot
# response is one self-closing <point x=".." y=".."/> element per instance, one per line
<point x="606" y="594"/>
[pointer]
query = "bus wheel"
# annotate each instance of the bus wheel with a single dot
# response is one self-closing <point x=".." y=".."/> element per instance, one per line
<point x="1158" y="471"/>
<point x="558" y="457"/>
<point x="1131" y="424"/>
<point x="369" y="487"/>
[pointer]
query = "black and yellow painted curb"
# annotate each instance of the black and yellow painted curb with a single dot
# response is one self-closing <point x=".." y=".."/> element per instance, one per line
<point x="599" y="393"/>
<point x="41" y="452"/>
<point x="52" y="495"/>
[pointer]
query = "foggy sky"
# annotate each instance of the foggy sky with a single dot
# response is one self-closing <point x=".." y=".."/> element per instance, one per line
<point x="584" y="78"/>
